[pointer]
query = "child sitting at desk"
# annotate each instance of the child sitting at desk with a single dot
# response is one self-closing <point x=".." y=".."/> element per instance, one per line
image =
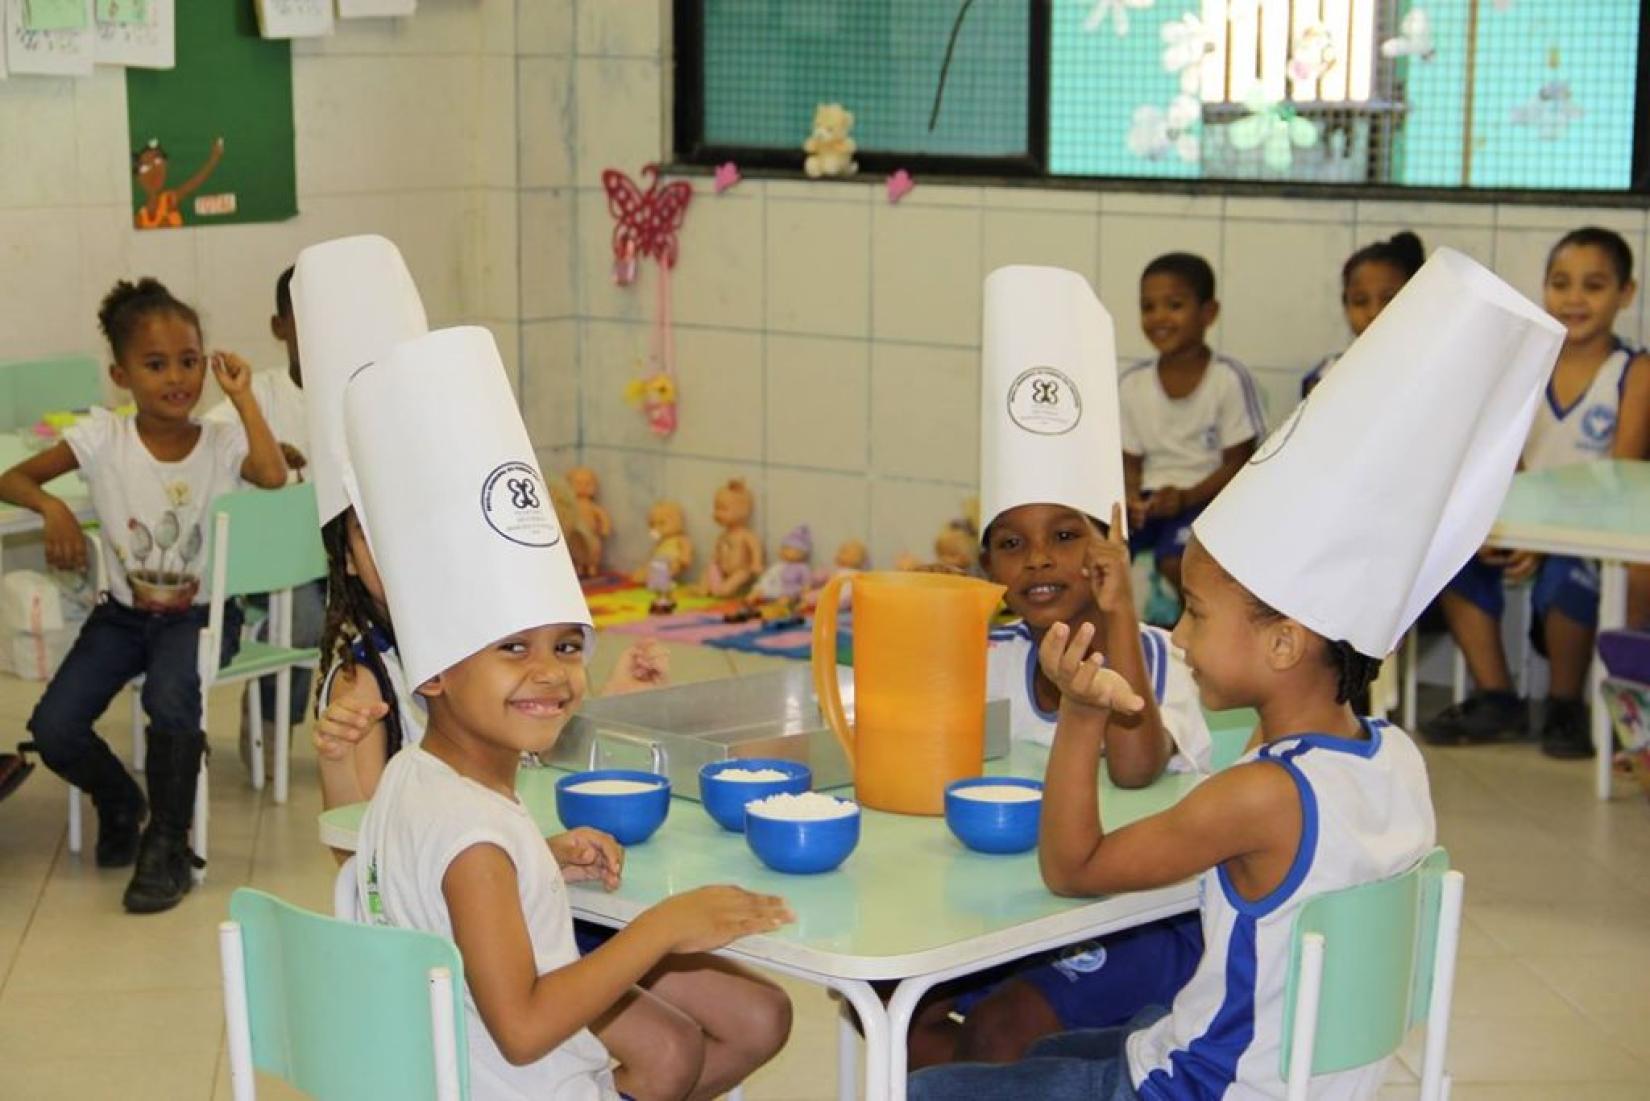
<point x="446" y="846"/>
<point x="1050" y="469"/>
<point x="152" y="478"/>
<point x="1597" y="406"/>
<point x="1190" y="417"/>
<point x="1295" y="587"/>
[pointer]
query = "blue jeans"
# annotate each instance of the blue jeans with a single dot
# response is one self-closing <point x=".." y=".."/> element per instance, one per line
<point x="1089" y="1065"/>
<point x="116" y="644"/>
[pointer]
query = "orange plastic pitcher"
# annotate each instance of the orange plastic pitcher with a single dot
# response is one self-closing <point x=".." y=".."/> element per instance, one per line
<point x="919" y="684"/>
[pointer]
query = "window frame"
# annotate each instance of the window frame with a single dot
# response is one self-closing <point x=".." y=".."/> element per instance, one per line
<point x="692" y="155"/>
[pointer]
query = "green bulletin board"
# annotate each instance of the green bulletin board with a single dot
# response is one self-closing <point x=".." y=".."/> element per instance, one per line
<point x="211" y="140"/>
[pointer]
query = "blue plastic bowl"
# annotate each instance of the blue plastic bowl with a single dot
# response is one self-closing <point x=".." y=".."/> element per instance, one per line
<point x="994" y="827"/>
<point x="802" y="846"/>
<point x="725" y="800"/>
<point x="630" y="818"/>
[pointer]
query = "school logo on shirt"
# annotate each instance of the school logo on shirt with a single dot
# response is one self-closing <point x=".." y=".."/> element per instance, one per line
<point x="1278" y="437"/>
<point x="1045" y="401"/>
<point x="1598" y="425"/>
<point x="517" y="506"/>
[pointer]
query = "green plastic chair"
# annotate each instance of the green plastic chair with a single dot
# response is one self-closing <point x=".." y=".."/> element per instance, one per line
<point x="29" y="389"/>
<point x="344" y="1012"/>
<point x="263" y="541"/>
<point x="1368" y="964"/>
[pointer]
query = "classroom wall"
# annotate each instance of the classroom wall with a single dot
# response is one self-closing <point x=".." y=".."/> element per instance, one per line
<point x="827" y="342"/>
<point x="404" y="127"/>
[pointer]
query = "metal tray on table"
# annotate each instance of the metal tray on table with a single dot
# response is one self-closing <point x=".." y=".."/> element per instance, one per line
<point x="675" y="731"/>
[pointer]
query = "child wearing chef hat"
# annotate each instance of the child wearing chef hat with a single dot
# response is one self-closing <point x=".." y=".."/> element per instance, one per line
<point x="493" y="631"/>
<point x="1299" y="579"/>
<point x="1051" y="478"/>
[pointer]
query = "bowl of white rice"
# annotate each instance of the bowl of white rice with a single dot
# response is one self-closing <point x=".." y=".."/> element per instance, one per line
<point x="802" y="833"/>
<point x="726" y="787"/>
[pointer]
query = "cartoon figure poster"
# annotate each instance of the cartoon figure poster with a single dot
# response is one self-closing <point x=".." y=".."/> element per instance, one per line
<point x="210" y="141"/>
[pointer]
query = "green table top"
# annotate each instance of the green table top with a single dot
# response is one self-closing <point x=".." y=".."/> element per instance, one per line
<point x="1597" y="510"/>
<point x="909" y="900"/>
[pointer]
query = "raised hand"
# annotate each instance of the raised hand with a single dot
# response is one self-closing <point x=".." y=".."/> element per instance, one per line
<point x="1082" y="677"/>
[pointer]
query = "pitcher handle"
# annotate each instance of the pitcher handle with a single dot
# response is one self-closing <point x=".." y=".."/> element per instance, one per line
<point x="824" y="665"/>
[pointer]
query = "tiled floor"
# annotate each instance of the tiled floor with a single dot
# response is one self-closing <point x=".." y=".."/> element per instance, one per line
<point x="1552" y="1002"/>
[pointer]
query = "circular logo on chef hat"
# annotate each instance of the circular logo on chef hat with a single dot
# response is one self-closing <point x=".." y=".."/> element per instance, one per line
<point x="517" y="506"/>
<point x="1045" y="401"/>
<point x="1279" y="436"/>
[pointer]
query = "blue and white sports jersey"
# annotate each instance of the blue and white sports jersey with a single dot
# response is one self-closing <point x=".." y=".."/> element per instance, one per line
<point x="1587" y="429"/>
<point x="1366" y="815"/>
<point x="1011" y="670"/>
<point x="1181" y="439"/>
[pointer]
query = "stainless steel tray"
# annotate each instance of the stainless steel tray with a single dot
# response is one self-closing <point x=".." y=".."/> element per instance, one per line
<point x="675" y="731"/>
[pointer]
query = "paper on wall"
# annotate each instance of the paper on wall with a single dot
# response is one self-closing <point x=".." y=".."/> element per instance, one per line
<point x="66" y="52"/>
<point x="148" y="42"/>
<point x="294" y="18"/>
<point x="368" y="9"/>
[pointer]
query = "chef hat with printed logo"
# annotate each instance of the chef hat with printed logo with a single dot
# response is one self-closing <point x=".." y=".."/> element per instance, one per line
<point x="1360" y="507"/>
<point x="1049" y="424"/>
<point x="456" y="511"/>
<point x="352" y="300"/>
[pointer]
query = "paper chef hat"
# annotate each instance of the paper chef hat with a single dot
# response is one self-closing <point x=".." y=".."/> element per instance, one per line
<point x="455" y="508"/>
<point x="353" y="300"/>
<point x="1049" y="430"/>
<point x="1363" y="504"/>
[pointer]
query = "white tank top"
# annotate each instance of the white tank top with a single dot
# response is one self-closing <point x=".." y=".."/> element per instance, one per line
<point x="1366" y="815"/>
<point x="1587" y="429"/>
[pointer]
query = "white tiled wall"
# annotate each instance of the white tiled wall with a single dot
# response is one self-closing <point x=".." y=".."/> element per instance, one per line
<point x="404" y="127"/>
<point x="828" y="342"/>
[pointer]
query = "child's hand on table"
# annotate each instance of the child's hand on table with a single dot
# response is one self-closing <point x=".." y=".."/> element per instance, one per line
<point x="345" y="722"/>
<point x="1085" y="681"/>
<point x="644" y="665"/>
<point x="1106" y="565"/>
<point x="708" y="918"/>
<point x="586" y="855"/>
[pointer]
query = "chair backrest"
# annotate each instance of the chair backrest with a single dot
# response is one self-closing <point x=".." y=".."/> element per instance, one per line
<point x="273" y="541"/>
<point x="30" y="389"/>
<point x="342" y="1010"/>
<point x="1379" y="947"/>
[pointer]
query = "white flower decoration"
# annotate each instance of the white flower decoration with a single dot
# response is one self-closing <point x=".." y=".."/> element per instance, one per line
<point x="1186" y="43"/>
<point x="1276" y="129"/>
<point x="1119" y="12"/>
<point x="1156" y="132"/>
<point x="1550" y="111"/>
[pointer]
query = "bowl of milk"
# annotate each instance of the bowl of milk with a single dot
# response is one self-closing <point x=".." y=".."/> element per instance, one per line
<point x="725" y="787"/>
<point x="995" y="814"/>
<point x="628" y="804"/>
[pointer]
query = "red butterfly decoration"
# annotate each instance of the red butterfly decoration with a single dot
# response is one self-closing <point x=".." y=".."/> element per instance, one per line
<point x="644" y="222"/>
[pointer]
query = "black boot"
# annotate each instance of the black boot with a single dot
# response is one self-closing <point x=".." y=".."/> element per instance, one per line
<point x="165" y="866"/>
<point x="1566" y="732"/>
<point x="118" y="799"/>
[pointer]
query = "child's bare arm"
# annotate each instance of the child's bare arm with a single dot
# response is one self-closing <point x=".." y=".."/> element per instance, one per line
<point x="529" y="1014"/>
<point x="1137" y="746"/>
<point x="1231" y="461"/>
<point x="264" y="464"/>
<point x="1633" y="419"/>
<point x="1247" y="812"/>
<point x="22" y="486"/>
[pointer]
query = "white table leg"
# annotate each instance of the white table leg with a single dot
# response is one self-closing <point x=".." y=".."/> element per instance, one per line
<point x="1612" y="615"/>
<point x="1412" y="676"/>
<point x="901" y="1007"/>
<point x="847" y="1055"/>
<point x="879" y="1039"/>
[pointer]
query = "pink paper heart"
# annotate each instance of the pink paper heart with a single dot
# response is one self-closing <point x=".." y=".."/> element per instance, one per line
<point x="900" y="185"/>
<point x="727" y="175"/>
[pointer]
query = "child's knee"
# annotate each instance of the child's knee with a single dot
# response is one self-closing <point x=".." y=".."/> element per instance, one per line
<point x="674" y="1059"/>
<point x="766" y="1023"/>
<point x="172" y="703"/>
<point x="1002" y="1026"/>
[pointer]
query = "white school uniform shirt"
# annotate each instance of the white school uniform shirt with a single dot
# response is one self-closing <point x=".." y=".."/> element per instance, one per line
<point x="410" y="707"/>
<point x="421" y="818"/>
<point x="153" y="516"/>
<point x="1587" y="429"/>
<point x="1181" y="439"/>
<point x="1366" y="815"/>
<point x="1011" y="671"/>
<point x="282" y="404"/>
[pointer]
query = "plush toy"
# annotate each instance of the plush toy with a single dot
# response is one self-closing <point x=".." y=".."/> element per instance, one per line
<point x="783" y="584"/>
<point x="583" y="546"/>
<point x="595" y="523"/>
<point x="851" y="558"/>
<point x="672" y="554"/>
<point x="830" y="150"/>
<point x="737" y="558"/>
